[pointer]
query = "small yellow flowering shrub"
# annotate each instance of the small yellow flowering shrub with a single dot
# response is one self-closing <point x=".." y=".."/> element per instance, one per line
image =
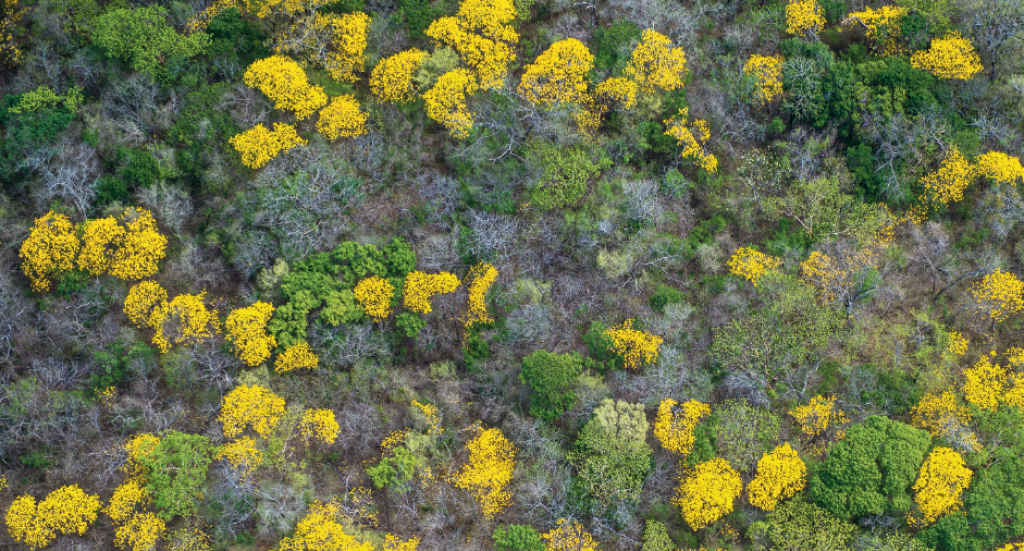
<point x="768" y="71"/>
<point x="320" y="529"/>
<point x="66" y="510"/>
<point x="394" y="543"/>
<point x="693" y="139"/>
<point x="941" y="482"/>
<point x="708" y="493"/>
<point x="342" y="118"/>
<point x="296" y="356"/>
<point x="254" y="407"/>
<point x="49" y="250"/>
<point x="947" y="184"/>
<point x="675" y="422"/>
<point x="999" y="294"/>
<point x="420" y="287"/>
<point x="951" y="57"/>
<point x="1000" y="168"/>
<point x="569" y="535"/>
<point x="489" y="470"/>
<point x="391" y="80"/>
<point x="559" y="75"/>
<point x="751" y="264"/>
<point x="374" y="295"/>
<point x="319" y="425"/>
<point x="257" y="145"/>
<point x="141" y="533"/>
<point x="636" y="348"/>
<point x="242" y="454"/>
<point x="143" y="301"/>
<point x="780" y="475"/>
<point x="957" y="344"/>
<point x="282" y="80"/>
<point x="10" y="53"/>
<point x="446" y="102"/>
<point x="183" y="320"/>
<point x="480" y="34"/>
<point x="130" y="496"/>
<point x="479" y="281"/>
<point x="821" y="422"/>
<point x="346" y="35"/>
<point x="246" y="330"/>
<point x="804" y="18"/>
<point x="655" y="65"/>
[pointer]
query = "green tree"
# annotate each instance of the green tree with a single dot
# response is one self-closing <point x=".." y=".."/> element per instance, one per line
<point x="396" y="471"/>
<point x="612" y="456"/>
<point x="565" y="173"/>
<point x="143" y="38"/>
<point x="824" y="211"/>
<point x="176" y="471"/>
<point x="656" y="537"/>
<point x="871" y="470"/>
<point x="799" y="526"/>
<point x="550" y="378"/>
<point x="517" y="537"/>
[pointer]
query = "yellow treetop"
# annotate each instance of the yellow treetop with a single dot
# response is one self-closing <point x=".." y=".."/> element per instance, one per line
<point x="675" y="422"/>
<point x="184" y="320"/>
<point x="942" y="416"/>
<point x="255" y="407"/>
<point x="320" y="530"/>
<point x="246" y="329"/>
<point x="432" y="416"/>
<point x="49" y="251"/>
<point x="420" y="287"/>
<point x="879" y="24"/>
<point x="296" y="356"/>
<point x="999" y="294"/>
<point x="768" y="71"/>
<point x="616" y="92"/>
<point x="129" y="248"/>
<point x="950" y="57"/>
<point x="10" y="53"/>
<point x="374" y="295"/>
<point x="394" y="543"/>
<point x="391" y="80"/>
<point x="947" y="184"/>
<point x="941" y="482"/>
<point x="342" y="119"/>
<point x="188" y="538"/>
<point x="780" y="475"/>
<point x="130" y="496"/>
<point x="479" y="281"/>
<point x="983" y="383"/>
<point x="141" y="533"/>
<point x="489" y="470"/>
<point x="818" y="416"/>
<point x="489" y="18"/>
<point x="655" y="64"/>
<point x="319" y="425"/>
<point x="1000" y="168"/>
<point x="708" y="493"/>
<point x="480" y="34"/>
<point x="138" y="447"/>
<point x="446" y="102"/>
<point x="66" y="510"/>
<point x="804" y="18"/>
<point x="145" y="299"/>
<point x="257" y="145"/>
<point x="242" y="454"/>
<point x="559" y="75"/>
<point x="751" y="264"/>
<point x="957" y="344"/>
<point x="282" y="80"/>
<point x="693" y="139"/>
<point x="569" y="535"/>
<point x="347" y="38"/>
<point x="636" y="348"/>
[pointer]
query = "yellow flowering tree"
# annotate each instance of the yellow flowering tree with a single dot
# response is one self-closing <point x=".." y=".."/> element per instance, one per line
<point x="129" y="248"/>
<point x="183" y="320"/>
<point x="780" y="475"/>
<point x="559" y="75"/>
<point x="941" y="482"/>
<point x="374" y="295"/>
<point x="635" y="348"/>
<point x="479" y="281"/>
<point x="999" y="295"/>
<point x="320" y="529"/>
<point x="296" y="356"/>
<point x="130" y="496"/>
<point x="141" y="533"/>
<point x="446" y="102"/>
<point x="821" y="422"/>
<point x="282" y="80"/>
<point x="49" y="250"/>
<point x="137" y="448"/>
<point x="881" y="26"/>
<point x="708" y="493"/>
<point x="489" y="470"/>
<point x="319" y="425"/>
<point x="947" y="184"/>
<point x="143" y="301"/>
<point x="675" y="422"/>
<point x="66" y="510"/>
<point x="569" y="535"/>
<point x="751" y="264"/>
<point x="420" y="287"/>
<point x="480" y="34"/>
<point x="335" y="42"/>
<point x="655" y="64"/>
<point x="943" y="417"/>
<point x="258" y="145"/>
<point x="984" y="383"/>
<point x="246" y="329"/>
<point x="957" y="344"/>
<point x="394" y="543"/>
<point x="342" y="118"/>
<point x="804" y="18"/>
<point x="768" y="72"/>
<point x="254" y="407"/>
<point x="950" y="57"/>
<point x="391" y="79"/>
<point x="1000" y="168"/>
<point x="242" y="454"/>
<point x="693" y="139"/>
<point x="10" y="17"/>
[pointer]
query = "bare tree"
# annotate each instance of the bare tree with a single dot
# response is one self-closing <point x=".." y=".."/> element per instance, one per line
<point x="67" y="171"/>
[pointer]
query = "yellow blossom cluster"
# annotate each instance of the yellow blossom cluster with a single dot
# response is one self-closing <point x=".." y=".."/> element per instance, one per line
<point x="983" y="383"/>
<point x="49" y="250"/>
<point x="201" y="20"/>
<point x="480" y="279"/>
<point x="342" y="118"/>
<point x="614" y="93"/>
<point x="246" y="329"/>
<point x="446" y="102"/>
<point x="255" y="407"/>
<point x="942" y="416"/>
<point x="242" y="454"/>
<point x="131" y="495"/>
<point x="282" y="80"/>
<point x="320" y="425"/>
<point x="140" y="533"/>
<point x="559" y="75"/>
<point x="183" y="320"/>
<point x="66" y="510"/>
<point x="129" y="248"/>
<point x="949" y="57"/>
<point x="320" y="529"/>
<point x="708" y="493"/>
<point x="693" y="139"/>
<point x="394" y="543"/>
<point x="957" y="344"/>
<point x="347" y="37"/>
<point x="804" y="18"/>
<point x="10" y="54"/>
<point x="941" y="482"/>
<point x="391" y="79"/>
<point x="818" y="416"/>
<point x="569" y="535"/>
<point x="880" y="24"/>
<point x="999" y="294"/>
<point x="188" y="538"/>
<point x="137" y="447"/>
<point x="675" y="422"/>
<point x="433" y="418"/>
<point x="832" y="277"/>
<point x="258" y="145"/>
<point x="296" y="356"/>
<point x="655" y="65"/>
<point x="780" y="475"/>
<point x="636" y="348"/>
<point x="374" y="295"/>
<point x="420" y="287"/>
<point x="489" y="470"/>
<point x="947" y="184"/>
<point x="480" y="34"/>
<point x="768" y="72"/>
<point x="144" y="300"/>
<point x="1000" y="168"/>
<point x="751" y="264"/>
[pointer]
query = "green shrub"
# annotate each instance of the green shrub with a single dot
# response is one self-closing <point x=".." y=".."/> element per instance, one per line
<point x="744" y="433"/>
<point x="144" y="39"/>
<point x="798" y="526"/>
<point x="600" y="346"/>
<point x="202" y="128"/>
<point x="394" y="472"/>
<point x="565" y="173"/>
<point x="612" y="456"/>
<point x="234" y="39"/>
<point x="612" y="46"/>
<point x="663" y="296"/>
<point x="656" y="537"/>
<point x="176" y="471"/>
<point x="550" y="378"/>
<point x="341" y="307"/>
<point x="410" y="324"/>
<point x="115" y="366"/>
<point x="517" y="537"/>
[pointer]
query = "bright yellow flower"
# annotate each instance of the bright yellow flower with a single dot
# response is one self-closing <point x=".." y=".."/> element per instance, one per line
<point x="319" y="424"/>
<point x="391" y="79"/>
<point x="780" y="475"/>
<point x="254" y="407"/>
<point x="420" y="287"/>
<point x="257" y="145"/>
<point x="296" y="356"/>
<point x="247" y="332"/>
<point x="636" y="348"/>
<point x="675" y="423"/>
<point x="374" y="295"/>
<point x="708" y="493"/>
<point x="751" y="264"/>
<point x="655" y="64"/>
<point x="950" y="57"/>
<point x="49" y="251"/>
